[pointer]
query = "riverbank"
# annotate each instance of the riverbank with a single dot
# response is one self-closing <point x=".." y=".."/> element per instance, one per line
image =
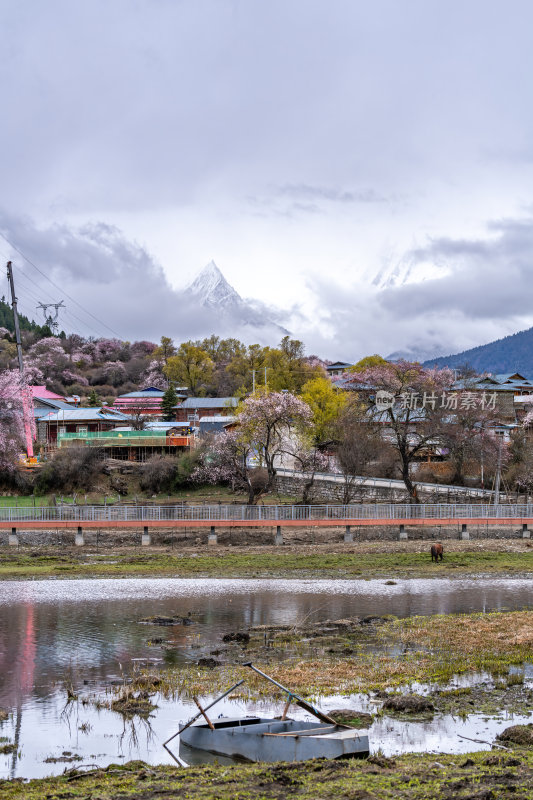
<point x="477" y="776"/>
<point x="387" y="559"/>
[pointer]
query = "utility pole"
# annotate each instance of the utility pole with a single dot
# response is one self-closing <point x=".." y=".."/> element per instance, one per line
<point x="15" y="315"/>
<point x="26" y="405"/>
<point x="498" y="475"/>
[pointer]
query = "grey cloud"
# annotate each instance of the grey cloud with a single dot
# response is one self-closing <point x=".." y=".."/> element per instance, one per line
<point x="118" y="282"/>
<point x="325" y="114"/>
<point x="356" y="323"/>
<point x="113" y="106"/>
<point x="487" y="278"/>
<point x="485" y="294"/>
<point x="293" y="200"/>
<point x="331" y="194"/>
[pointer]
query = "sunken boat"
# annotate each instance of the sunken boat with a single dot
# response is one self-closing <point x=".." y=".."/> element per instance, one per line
<point x="254" y="738"/>
<point x="263" y="739"/>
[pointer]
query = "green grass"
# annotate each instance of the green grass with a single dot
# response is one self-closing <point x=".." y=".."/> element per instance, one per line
<point x="24" y="501"/>
<point x="476" y="776"/>
<point x="359" y="659"/>
<point x="242" y="563"/>
<point x="201" y="494"/>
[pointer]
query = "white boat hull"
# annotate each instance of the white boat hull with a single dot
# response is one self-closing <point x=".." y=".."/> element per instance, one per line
<point x="260" y="739"/>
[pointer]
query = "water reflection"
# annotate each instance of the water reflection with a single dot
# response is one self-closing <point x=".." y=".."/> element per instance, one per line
<point x="86" y="633"/>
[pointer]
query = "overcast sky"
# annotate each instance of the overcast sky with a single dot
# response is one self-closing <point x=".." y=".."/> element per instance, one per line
<point x="364" y="166"/>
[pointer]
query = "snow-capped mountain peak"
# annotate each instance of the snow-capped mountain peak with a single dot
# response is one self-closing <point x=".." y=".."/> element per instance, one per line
<point x="212" y="289"/>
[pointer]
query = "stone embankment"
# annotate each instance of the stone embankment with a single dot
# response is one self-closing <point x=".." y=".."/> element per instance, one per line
<point x="331" y="490"/>
<point x="190" y="537"/>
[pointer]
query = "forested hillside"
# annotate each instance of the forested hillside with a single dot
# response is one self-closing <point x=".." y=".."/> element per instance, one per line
<point x="511" y="354"/>
<point x="100" y="369"/>
<point x="6" y="321"/>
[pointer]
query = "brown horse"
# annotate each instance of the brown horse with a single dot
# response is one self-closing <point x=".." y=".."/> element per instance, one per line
<point x="436" y="552"/>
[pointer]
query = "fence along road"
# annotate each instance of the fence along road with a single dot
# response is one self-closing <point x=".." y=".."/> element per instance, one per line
<point x="393" y="485"/>
<point x="266" y="516"/>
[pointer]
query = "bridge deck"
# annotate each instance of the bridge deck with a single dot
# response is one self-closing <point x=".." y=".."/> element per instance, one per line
<point x="260" y="523"/>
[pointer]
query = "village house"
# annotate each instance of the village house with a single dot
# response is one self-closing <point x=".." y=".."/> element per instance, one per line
<point x="508" y="389"/>
<point x="42" y="393"/>
<point x="337" y="368"/>
<point x="216" y="424"/>
<point x="159" y="438"/>
<point x="55" y="423"/>
<point x="194" y="408"/>
<point x="146" y="402"/>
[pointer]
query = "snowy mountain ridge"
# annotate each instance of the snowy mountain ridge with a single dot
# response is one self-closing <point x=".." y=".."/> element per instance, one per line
<point x="210" y="290"/>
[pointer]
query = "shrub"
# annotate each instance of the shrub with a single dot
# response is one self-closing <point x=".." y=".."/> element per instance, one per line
<point x="186" y="464"/>
<point x="70" y="468"/>
<point x="158" y="474"/>
<point x="16" y="480"/>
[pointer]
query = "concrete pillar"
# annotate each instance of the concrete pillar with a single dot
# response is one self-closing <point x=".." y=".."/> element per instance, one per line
<point x="145" y="537"/>
<point x="79" y="541"/>
<point x="212" y="537"/>
<point x="348" y="535"/>
<point x="13" y="539"/>
<point x="278" y="539"/>
<point x="464" y="531"/>
<point x="403" y="532"/>
<point x="526" y="534"/>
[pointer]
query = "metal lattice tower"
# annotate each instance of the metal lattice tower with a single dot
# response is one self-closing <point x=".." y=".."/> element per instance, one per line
<point x="50" y="318"/>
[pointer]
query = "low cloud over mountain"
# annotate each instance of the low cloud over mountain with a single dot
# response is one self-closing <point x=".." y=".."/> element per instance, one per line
<point x="470" y="292"/>
<point x="112" y="285"/>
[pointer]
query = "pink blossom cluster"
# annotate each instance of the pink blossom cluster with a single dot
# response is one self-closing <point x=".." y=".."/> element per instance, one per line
<point x="14" y="397"/>
<point x="153" y="376"/>
<point x="273" y="411"/>
<point x="225" y="459"/>
<point x="528" y="419"/>
<point x="69" y="377"/>
<point x="108" y="349"/>
<point x="402" y="375"/>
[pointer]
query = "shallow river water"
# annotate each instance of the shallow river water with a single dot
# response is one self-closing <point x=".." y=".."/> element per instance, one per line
<point x="86" y="633"/>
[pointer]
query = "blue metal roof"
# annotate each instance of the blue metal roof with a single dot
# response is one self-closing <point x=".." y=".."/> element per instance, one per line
<point x="339" y="365"/>
<point x="85" y="415"/>
<point x="210" y="402"/>
<point x="150" y="392"/>
<point x="50" y="403"/>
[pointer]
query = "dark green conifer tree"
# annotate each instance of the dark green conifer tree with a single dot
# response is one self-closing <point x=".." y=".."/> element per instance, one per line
<point x="168" y="404"/>
<point x="94" y="400"/>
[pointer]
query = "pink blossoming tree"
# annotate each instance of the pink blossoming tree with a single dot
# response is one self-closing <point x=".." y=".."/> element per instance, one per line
<point x="308" y="461"/>
<point x="267" y="420"/>
<point x="14" y="396"/>
<point x="225" y="459"/>
<point x="411" y="421"/>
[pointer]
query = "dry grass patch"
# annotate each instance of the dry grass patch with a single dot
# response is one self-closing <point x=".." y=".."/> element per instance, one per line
<point x="502" y="634"/>
<point x="435" y="649"/>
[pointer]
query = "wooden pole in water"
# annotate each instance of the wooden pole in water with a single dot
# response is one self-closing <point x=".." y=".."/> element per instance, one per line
<point x="204" y="715"/>
<point x="293" y="697"/>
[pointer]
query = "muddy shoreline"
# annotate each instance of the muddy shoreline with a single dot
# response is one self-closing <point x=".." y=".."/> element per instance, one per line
<point x="476" y="776"/>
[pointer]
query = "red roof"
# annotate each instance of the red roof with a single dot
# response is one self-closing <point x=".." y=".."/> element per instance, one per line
<point x="44" y="393"/>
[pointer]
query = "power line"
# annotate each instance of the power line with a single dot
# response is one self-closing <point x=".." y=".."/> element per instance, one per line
<point x="29" y="310"/>
<point x="51" y="318"/>
<point x="24" y="279"/>
<point x="37" y="299"/>
<point x="58" y="287"/>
